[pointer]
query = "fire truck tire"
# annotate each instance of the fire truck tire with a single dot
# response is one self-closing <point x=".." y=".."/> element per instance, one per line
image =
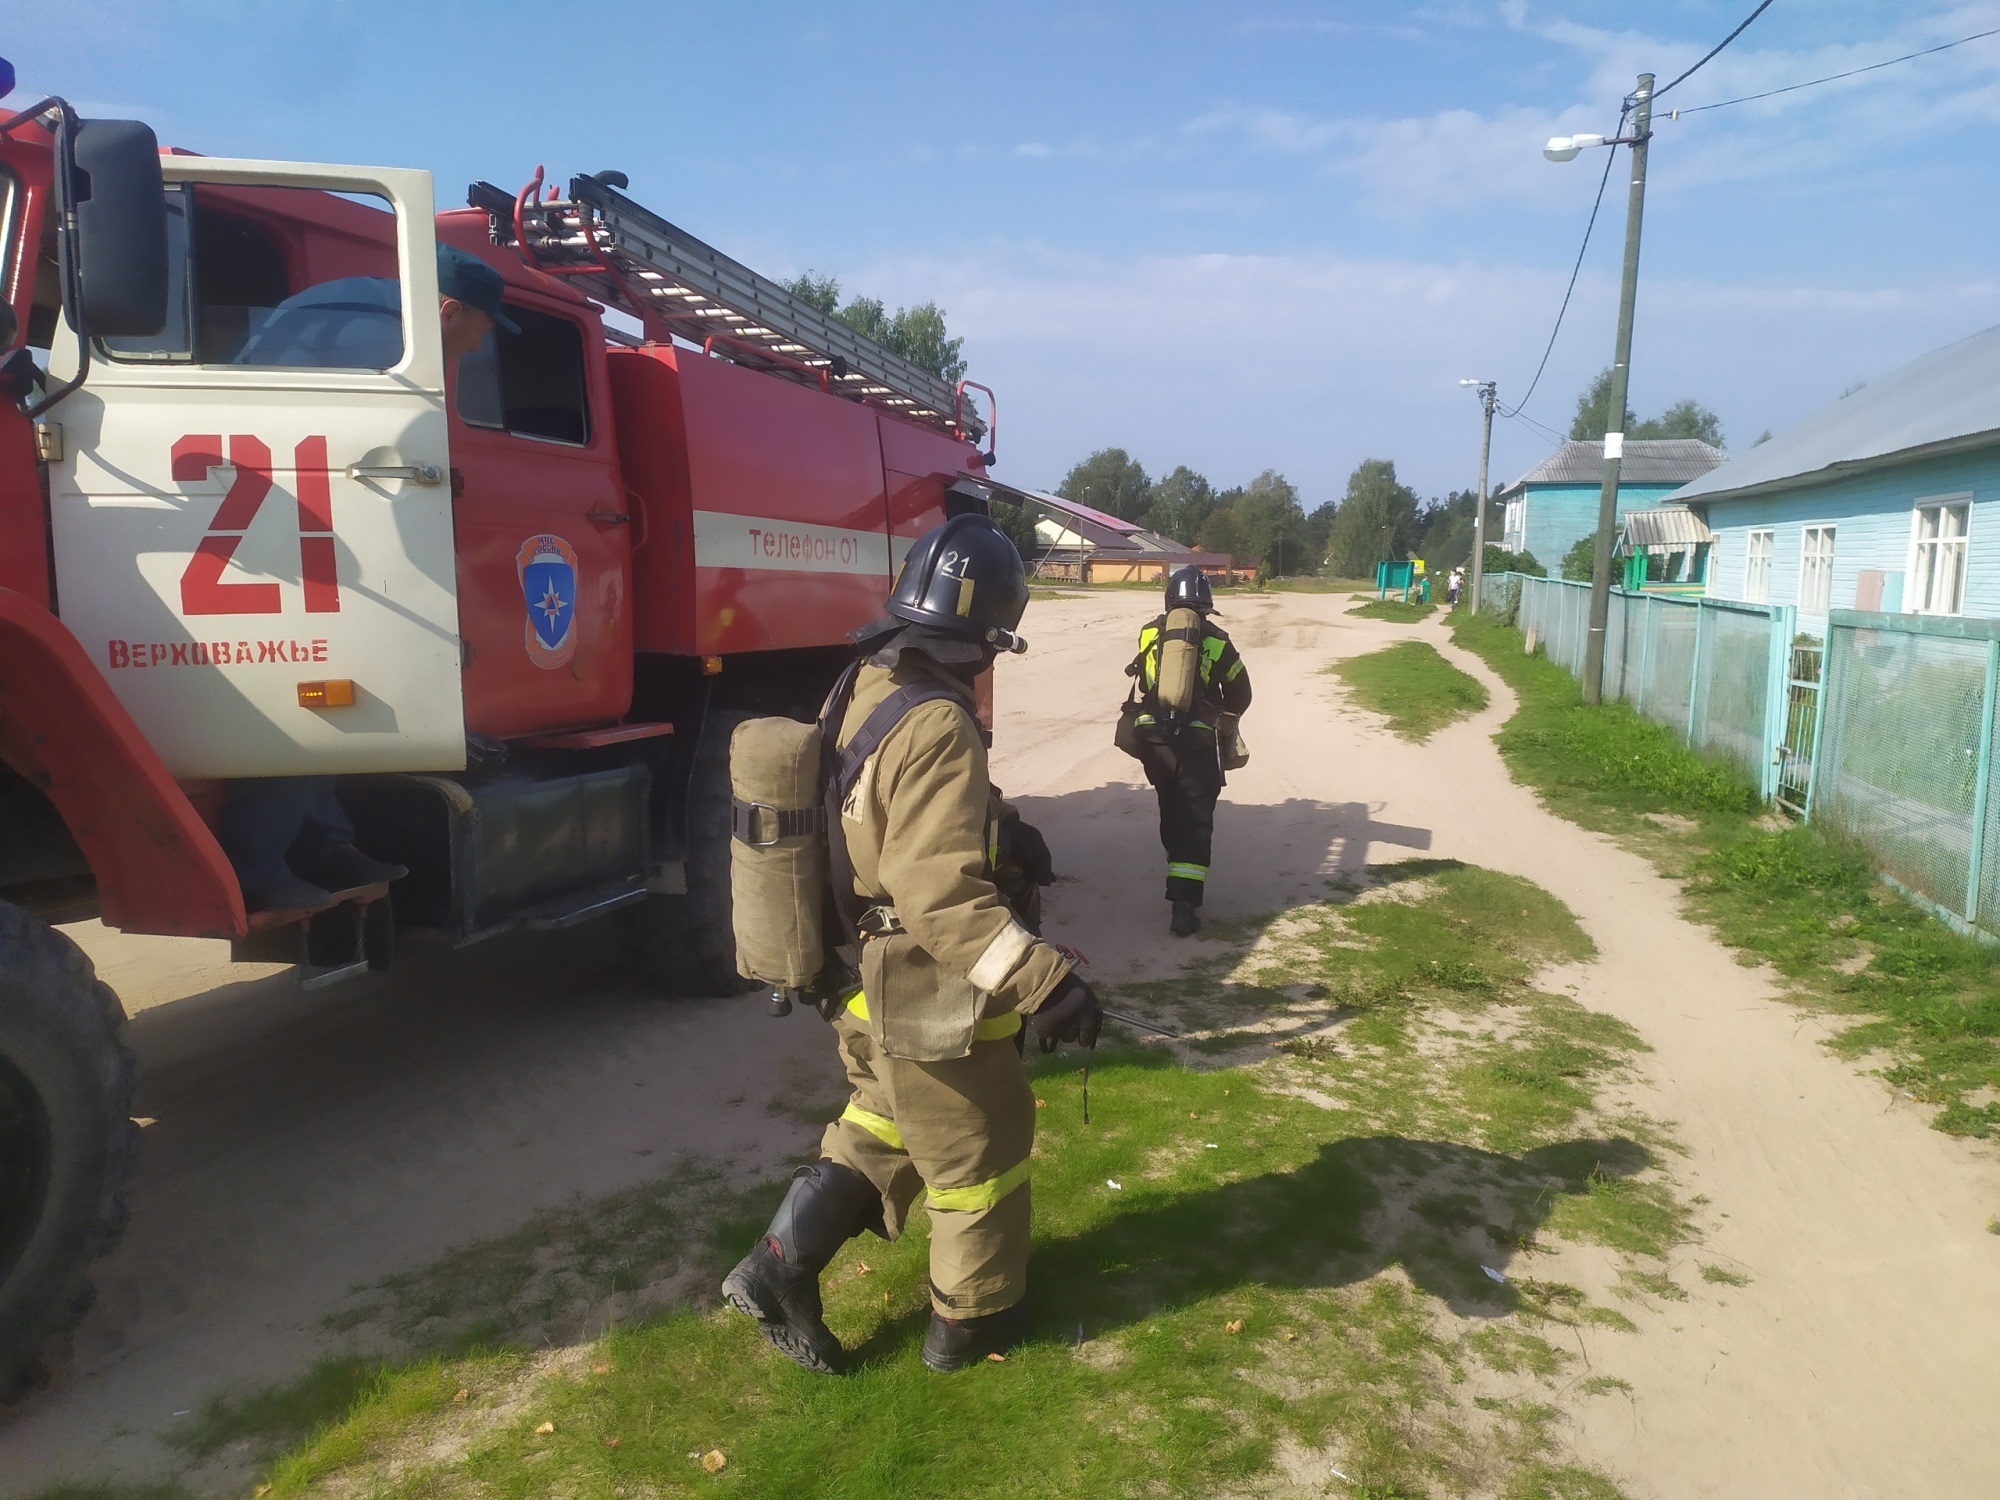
<point x="67" y="1141"/>
<point x="687" y="944"/>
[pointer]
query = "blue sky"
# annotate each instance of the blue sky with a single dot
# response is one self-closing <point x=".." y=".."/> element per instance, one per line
<point x="1236" y="237"/>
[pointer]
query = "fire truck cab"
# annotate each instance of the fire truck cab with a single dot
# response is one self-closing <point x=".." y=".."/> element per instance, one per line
<point x="253" y="523"/>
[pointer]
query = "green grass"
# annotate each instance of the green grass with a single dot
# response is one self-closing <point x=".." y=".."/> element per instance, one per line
<point x="1410" y="685"/>
<point x="1319" y="585"/>
<point x="1922" y="1002"/>
<point x="1387" y="1093"/>
<point x="1394" y="610"/>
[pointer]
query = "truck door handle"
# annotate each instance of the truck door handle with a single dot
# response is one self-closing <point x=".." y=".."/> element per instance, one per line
<point x="415" y="473"/>
<point x="608" y="517"/>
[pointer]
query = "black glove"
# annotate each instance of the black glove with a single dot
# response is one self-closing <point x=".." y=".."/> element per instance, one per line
<point x="1070" y="1014"/>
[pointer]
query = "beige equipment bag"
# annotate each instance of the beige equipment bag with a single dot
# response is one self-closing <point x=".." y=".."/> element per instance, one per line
<point x="1180" y="661"/>
<point x="1229" y="740"/>
<point x="777" y="855"/>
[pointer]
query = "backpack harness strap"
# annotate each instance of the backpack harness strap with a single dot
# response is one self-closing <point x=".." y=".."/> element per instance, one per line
<point x="857" y="914"/>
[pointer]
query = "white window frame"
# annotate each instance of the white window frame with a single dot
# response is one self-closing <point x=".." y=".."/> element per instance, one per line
<point x="1759" y="591"/>
<point x="1963" y="542"/>
<point x="1831" y="529"/>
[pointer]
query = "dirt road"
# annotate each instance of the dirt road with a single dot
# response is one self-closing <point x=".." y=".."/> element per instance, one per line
<point x="301" y="1145"/>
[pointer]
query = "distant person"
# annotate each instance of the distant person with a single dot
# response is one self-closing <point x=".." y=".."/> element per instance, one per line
<point x="1453" y="585"/>
<point x="1179" y="743"/>
<point x="288" y="837"/>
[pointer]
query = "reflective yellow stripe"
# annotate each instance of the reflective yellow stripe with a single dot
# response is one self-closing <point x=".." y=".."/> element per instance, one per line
<point x="1235" y="671"/>
<point x="997" y="1028"/>
<point x="1187" y="872"/>
<point x="1149" y="657"/>
<point x="882" y="1128"/>
<point x="980" y="1195"/>
<point x="989" y="1029"/>
<point x="1212" y="647"/>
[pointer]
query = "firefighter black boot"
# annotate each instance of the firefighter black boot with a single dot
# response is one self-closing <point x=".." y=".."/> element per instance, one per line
<point x="954" y="1343"/>
<point x="778" y="1282"/>
<point x="1187" y="921"/>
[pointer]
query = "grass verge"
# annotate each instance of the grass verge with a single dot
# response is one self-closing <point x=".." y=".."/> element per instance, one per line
<point x="1411" y="686"/>
<point x="1921" y="1003"/>
<point x="1315" y="1242"/>
<point x="1394" y="610"/>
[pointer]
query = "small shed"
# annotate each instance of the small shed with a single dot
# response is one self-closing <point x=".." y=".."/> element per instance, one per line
<point x="1887" y="499"/>
<point x="1555" y="503"/>
<point x="1665" y="550"/>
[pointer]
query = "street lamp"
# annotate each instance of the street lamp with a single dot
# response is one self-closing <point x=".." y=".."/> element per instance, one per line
<point x="1488" y="391"/>
<point x="1567" y="148"/>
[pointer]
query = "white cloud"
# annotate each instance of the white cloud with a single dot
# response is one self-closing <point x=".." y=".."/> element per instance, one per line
<point x="1412" y="167"/>
<point x="1235" y="363"/>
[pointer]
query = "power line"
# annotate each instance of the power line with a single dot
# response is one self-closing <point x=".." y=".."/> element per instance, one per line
<point x="1543" y="428"/>
<point x="1792" y="88"/>
<point x="1716" y="48"/>
<point x="1609" y="158"/>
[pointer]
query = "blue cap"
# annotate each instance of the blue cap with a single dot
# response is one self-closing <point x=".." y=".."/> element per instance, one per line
<point x="468" y="279"/>
<point x="6" y="78"/>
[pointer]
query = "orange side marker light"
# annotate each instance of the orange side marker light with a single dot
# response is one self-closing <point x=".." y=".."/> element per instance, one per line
<point x="334" y="692"/>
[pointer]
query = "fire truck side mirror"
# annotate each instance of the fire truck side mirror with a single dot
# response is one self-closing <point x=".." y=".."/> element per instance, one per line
<point x="119" y="254"/>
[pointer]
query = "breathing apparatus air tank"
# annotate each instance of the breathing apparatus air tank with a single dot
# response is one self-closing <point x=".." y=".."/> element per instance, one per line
<point x="777" y="855"/>
<point x="1180" y="662"/>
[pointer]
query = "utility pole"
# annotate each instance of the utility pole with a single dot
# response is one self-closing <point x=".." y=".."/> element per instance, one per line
<point x="1488" y="393"/>
<point x="1621" y="369"/>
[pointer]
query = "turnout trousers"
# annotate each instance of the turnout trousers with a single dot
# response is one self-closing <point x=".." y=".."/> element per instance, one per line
<point x="1187" y="777"/>
<point x="963" y="1129"/>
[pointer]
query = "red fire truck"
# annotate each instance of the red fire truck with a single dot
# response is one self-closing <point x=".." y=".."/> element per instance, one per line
<point x="515" y="606"/>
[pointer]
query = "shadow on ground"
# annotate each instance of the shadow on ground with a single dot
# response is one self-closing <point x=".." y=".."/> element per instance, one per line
<point x="1442" y="1211"/>
<point x="1332" y="839"/>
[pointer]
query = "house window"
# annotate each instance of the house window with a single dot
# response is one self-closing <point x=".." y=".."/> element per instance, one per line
<point x="1816" y="570"/>
<point x="1757" y="568"/>
<point x="1937" y="569"/>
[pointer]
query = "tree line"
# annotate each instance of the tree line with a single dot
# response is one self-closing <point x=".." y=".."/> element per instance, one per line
<point x="1267" y="521"/>
<point x="917" y="333"/>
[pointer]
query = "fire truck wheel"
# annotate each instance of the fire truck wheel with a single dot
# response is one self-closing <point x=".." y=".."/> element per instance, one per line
<point x="67" y="1141"/>
<point x="686" y="943"/>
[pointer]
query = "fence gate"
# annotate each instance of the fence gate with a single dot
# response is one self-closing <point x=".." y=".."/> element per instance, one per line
<point x="1795" y="753"/>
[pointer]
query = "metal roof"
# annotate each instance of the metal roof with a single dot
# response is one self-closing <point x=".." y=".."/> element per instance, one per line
<point x="1945" y="401"/>
<point x="1646" y="461"/>
<point x="1664" y="526"/>
<point x="1083" y="512"/>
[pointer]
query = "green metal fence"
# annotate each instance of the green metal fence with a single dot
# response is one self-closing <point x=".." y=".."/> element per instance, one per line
<point x="1883" y="734"/>
<point x="1715" y="671"/>
<point x="1906" y="753"/>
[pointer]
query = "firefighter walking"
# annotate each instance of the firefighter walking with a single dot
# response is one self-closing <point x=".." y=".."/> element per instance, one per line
<point x="931" y="1037"/>
<point x="1191" y="686"/>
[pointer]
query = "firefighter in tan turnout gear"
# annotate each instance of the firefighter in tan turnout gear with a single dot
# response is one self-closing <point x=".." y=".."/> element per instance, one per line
<point x="948" y="975"/>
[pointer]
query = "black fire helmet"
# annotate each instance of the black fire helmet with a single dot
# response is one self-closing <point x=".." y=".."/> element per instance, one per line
<point x="1189" y="589"/>
<point x="964" y="579"/>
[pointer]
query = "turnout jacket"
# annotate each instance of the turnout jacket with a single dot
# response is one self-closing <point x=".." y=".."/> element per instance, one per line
<point x="953" y="964"/>
<point x="1225" y="681"/>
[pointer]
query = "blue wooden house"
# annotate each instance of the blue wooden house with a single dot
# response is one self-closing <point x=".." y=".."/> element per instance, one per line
<point x="1889" y="499"/>
<point x="1555" y="503"/>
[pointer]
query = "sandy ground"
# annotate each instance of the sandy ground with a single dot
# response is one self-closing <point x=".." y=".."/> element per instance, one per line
<point x="304" y="1144"/>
